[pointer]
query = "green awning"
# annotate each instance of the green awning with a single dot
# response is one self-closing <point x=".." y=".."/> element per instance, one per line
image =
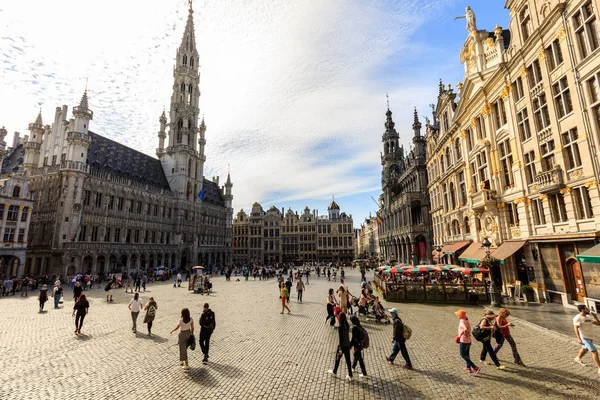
<point x="590" y="255"/>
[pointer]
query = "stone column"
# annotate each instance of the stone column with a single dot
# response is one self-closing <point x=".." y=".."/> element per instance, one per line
<point x="19" y="215"/>
<point x="570" y="207"/>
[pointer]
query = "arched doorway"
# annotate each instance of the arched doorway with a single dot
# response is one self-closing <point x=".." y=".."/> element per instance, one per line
<point x="101" y="265"/>
<point x="420" y="249"/>
<point x="112" y="263"/>
<point x="574" y="280"/>
<point x="88" y="261"/>
<point x="185" y="256"/>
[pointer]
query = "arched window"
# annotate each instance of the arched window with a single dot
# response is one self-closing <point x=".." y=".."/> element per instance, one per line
<point x="192" y="62"/>
<point x="456" y="227"/>
<point x="452" y="196"/>
<point x="442" y="168"/>
<point x="445" y="190"/>
<point x="467" y="225"/>
<point x="457" y="151"/>
<point x="184" y="59"/>
<point x="448" y="156"/>
<point x="182" y="87"/>
<point x="179" y="129"/>
<point x="16" y="191"/>
<point x="525" y="21"/>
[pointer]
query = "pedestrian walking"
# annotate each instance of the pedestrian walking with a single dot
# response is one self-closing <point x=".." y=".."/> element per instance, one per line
<point x="488" y="324"/>
<point x="81" y="307"/>
<point x="57" y="294"/>
<point x="399" y="341"/>
<point x="135" y="305"/>
<point x="503" y="326"/>
<point x="108" y="290"/>
<point x="331" y="302"/>
<point x="328" y="274"/>
<point x="343" y="348"/>
<point x="77" y="290"/>
<point x="207" y="327"/>
<point x="144" y="280"/>
<point x="283" y="295"/>
<point x="186" y="330"/>
<point x="358" y="343"/>
<point x="179" y="279"/>
<point x="128" y="284"/>
<point x="343" y="295"/>
<point x="334" y="274"/>
<point x="584" y="331"/>
<point x="150" y="309"/>
<point x="138" y="283"/>
<point x="25" y="287"/>
<point x="43" y="296"/>
<point x="300" y="288"/>
<point x="288" y="285"/>
<point x="464" y="341"/>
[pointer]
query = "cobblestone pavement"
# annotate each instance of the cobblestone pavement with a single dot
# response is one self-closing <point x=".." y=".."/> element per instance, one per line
<point x="257" y="353"/>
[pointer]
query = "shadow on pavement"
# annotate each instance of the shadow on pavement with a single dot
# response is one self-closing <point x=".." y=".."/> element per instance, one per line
<point x="377" y="385"/>
<point x="225" y="369"/>
<point x="83" y="337"/>
<point x="154" y="338"/>
<point x="200" y="374"/>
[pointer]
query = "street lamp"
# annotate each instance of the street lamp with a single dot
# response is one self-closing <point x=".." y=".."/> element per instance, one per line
<point x="494" y="294"/>
<point x="439" y="251"/>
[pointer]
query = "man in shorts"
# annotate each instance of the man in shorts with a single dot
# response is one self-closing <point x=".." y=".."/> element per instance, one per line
<point x="584" y="331"/>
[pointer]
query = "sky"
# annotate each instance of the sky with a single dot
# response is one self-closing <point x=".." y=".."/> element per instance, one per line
<point x="293" y="92"/>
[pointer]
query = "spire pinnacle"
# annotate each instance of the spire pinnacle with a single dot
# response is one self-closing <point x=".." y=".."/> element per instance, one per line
<point x="388" y="100"/>
<point x="190" y="4"/>
<point x="84" y="99"/>
<point x="416" y="117"/>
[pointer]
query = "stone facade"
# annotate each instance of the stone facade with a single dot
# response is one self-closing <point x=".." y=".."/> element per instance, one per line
<point x="367" y="239"/>
<point x="16" y="208"/>
<point x="512" y="153"/>
<point x="405" y="232"/>
<point x="101" y="206"/>
<point x="277" y="236"/>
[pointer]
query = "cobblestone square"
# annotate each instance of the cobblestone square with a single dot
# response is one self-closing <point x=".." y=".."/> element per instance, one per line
<point x="257" y="353"/>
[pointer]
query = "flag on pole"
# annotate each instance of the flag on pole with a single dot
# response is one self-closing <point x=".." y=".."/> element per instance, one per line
<point x="202" y="194"/>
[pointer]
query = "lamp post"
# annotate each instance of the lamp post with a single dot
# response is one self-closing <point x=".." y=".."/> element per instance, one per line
<point x="494" y="294"/>
<point x="438" y="248"/>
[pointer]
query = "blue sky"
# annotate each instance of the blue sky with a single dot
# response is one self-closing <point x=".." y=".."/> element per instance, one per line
<point x="293" y="92"/>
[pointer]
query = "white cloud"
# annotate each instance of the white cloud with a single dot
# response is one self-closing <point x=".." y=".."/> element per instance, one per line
<point x="277" y="79"/>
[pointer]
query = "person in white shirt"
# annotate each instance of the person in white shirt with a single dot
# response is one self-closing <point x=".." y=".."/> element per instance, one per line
<point x="583" y="324"/>
<point x="135" y="306"/>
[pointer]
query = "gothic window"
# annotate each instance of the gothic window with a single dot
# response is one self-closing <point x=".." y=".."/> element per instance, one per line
<point x="182" y="87"/>
<point x="467" y="227"/>
<point x="179" y="128"/>
<point x="448" y="157"/>
<point x="192" y="62"/>
<point x="184" y="59"/>
<point x="16" y="191"/>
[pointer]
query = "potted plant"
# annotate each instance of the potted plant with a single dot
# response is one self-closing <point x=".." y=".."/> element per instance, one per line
<point x="527" y="293"/>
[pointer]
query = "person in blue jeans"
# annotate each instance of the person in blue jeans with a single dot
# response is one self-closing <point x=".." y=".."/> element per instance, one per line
<point x="57" y="295"/>
<point x="399" y="341"/>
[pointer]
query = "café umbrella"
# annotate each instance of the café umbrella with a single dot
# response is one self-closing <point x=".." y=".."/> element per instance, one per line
<point x="423" y="269"/>
<point x="469" y="271"/>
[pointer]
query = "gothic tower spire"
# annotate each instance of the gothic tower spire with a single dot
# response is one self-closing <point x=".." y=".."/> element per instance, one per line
<point x="182" y="158"/>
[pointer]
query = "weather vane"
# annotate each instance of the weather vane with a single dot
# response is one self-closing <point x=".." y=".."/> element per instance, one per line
<point x="190" y="3"/>
<point x="388" y="100"/>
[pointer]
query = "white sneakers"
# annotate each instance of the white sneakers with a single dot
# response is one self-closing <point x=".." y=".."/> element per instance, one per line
<point x="578" y="361"/>
<point x="348" y="378"/>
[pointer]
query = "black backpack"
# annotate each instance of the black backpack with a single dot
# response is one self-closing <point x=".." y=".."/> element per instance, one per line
<point x="107" y="287"/>
<point x="480" y="334"/>
<point x="364" y="338"/>
<point x="209" y="320"/>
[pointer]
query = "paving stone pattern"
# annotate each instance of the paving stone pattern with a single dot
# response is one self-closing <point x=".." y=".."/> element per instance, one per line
<point x="257" y="353"/>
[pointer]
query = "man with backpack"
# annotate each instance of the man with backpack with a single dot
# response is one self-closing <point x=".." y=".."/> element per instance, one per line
<point x="399" y="340"/>
<point x="360" y="341"/>
<point x="207" y="326"/>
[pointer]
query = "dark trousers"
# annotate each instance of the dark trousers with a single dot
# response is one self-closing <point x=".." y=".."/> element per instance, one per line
<point x="149" y="326"/>
<point x="79" y="317"/>
<point x="330" y="315"/>
<point x="464" y="350"/>
<point x="205" y="342"/>
<point x="299" y="295"/>
<point x="400" y="346"/>
<point x="487" y="349"/>
<point x="513" y="346"/>
<point x="338" y="357"/>
<point x="359" y="359"/>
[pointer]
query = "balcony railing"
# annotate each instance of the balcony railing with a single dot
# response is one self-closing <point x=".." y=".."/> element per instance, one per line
<point x="78" y="136"/>
<point x="550" y="181"/>
<point x="483" y="198"/>
<point x="74" y="166"/>
<point x="32" y="145"/>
